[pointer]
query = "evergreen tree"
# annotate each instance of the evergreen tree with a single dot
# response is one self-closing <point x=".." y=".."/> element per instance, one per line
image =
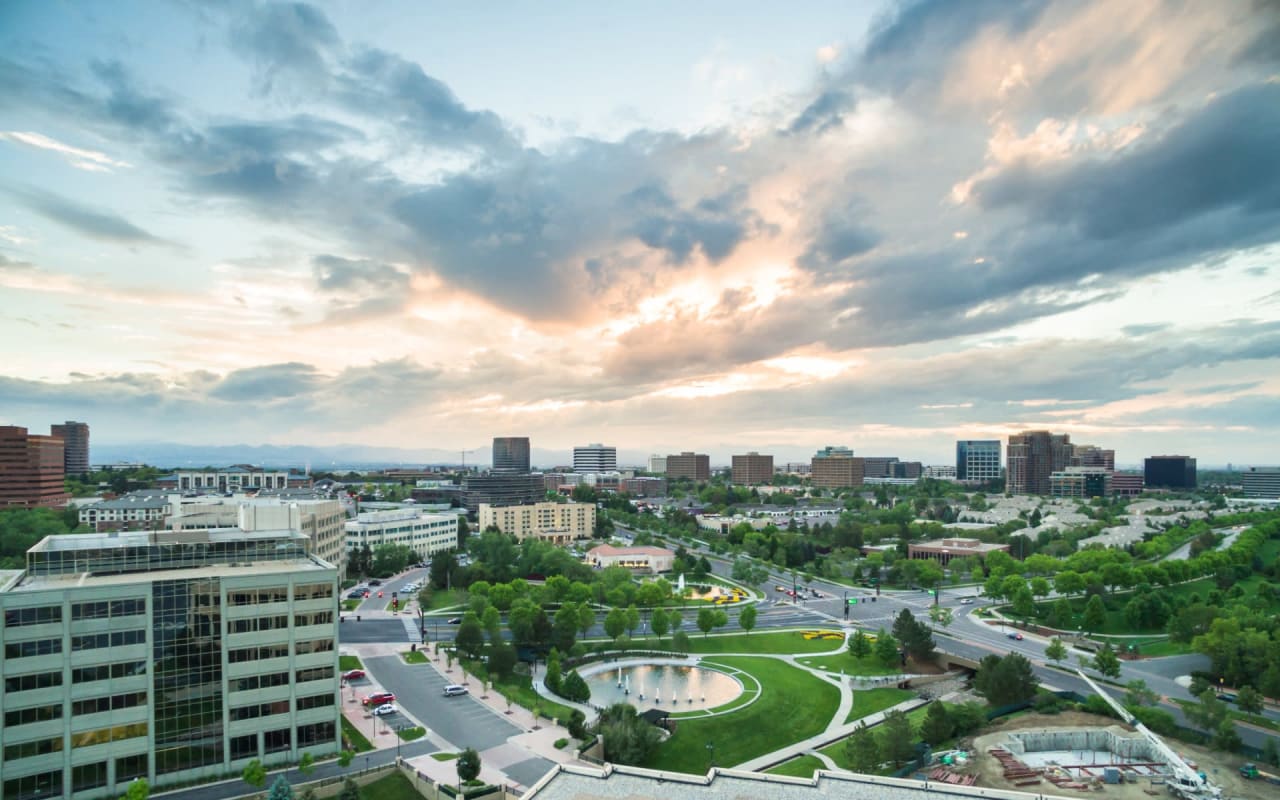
<point x="468" y="765"/>
<point x="937" y="727"/>
<point x="862" y="750"/>
<point x="280" y="790"/>
<point x="859" y="645"/>
<point x="898" y="743"/>
<point x="1095" y="614"/>
<point x="1005" y="680"/>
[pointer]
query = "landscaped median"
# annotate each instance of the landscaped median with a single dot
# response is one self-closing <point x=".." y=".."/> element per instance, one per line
<point x="792" y="706"/>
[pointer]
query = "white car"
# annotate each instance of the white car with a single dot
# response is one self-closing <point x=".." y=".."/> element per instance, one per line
<point x="964" y="601"/>
<point x="384" y="709"/>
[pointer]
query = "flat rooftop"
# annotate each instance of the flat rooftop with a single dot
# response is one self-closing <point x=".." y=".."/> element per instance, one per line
<point x="35" y="583"/>
<point x="110" y="540"/>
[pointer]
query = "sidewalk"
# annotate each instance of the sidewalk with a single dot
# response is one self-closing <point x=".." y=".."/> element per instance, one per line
<point x="832" y="734"/>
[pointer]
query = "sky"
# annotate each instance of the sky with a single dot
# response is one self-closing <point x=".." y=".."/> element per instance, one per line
<point x="663" y="226"/>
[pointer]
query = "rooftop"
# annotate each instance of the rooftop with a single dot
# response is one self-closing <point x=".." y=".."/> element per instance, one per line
<point x="610" y="550"/>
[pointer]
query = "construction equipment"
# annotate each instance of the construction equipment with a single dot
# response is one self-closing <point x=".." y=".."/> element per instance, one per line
<point x="1252" y="772"/>
<point x="1185" y="782"/>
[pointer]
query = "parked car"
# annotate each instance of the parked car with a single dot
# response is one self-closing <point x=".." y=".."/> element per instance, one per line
<point x="1015" y="635"/>
<point x="353" y="675"/>
<point x="356" y="595"/>
<point x="453" y="690"/>
<point x="384" y="709"/>
<point x="379" y="698"/>
<point x="780" y="588"/>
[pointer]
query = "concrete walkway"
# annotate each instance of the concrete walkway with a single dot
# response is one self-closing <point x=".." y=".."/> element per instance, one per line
<point x="831" y="734"/>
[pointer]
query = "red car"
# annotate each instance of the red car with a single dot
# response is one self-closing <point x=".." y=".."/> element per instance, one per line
<point x="379" y="698"/>
<point x="353" y="675"/>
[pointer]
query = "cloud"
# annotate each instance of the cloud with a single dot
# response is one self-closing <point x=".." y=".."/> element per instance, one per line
<point x="715" y="225"/>
<point x="266" y="383"/>
<point x="360" y="288"/>
<point x="95" y="223"/>
<point x="88" y="160"/>
<point x="285" y="39"/>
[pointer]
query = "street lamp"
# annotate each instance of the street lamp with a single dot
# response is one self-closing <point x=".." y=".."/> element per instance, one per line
<point x="711" y="748"/>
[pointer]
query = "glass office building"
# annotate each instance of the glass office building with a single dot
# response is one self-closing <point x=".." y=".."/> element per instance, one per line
<point x="170" y="656"/>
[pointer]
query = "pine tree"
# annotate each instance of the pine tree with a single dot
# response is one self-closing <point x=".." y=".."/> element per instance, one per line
<point x="937" y="727"/>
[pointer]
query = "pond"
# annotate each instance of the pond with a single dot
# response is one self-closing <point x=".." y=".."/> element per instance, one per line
<point x="670" y="687"/>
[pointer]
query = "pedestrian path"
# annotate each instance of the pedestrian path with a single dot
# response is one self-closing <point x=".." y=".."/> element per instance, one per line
<point x="828" y="736"/>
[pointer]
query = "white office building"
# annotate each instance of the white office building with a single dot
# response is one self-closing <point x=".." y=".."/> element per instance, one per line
<point x="169" y="656"/>
<point x="322" y="520"/>
<point x="658" y="465"/>
<point x="595" y="458"/>
<point x="425" y="533"/>
<point x="1262" y="482"/>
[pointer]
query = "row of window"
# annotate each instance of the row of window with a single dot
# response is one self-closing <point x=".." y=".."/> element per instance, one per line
<point x="114" y="733"/>
<point x="97" y="705"/>
<point x="312" y="591"/>
<point x="251" y="597"/>
<point x="102" y="672"/>
<point x="243" y="654"/>
<point x="39" y="747"/>
<point x="104" y="609"/>
<point x="278" y="622"/>
<point x="36" y="680"/>
<point x="251" y="682"/>
<point x="314" y="618"/>
<point x="315" y="701"/>
<point x="35" y="647"/>
<point x="256" y="710"/>
<point x="314" y="674"/>
<point x="19" y="617"/>
<point x="26" y="716"/>
<point x="313" y="646"/>
<point x="117" y="639"/>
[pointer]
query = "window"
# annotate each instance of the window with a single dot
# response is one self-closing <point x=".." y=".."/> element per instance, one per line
<point x="26" y="716"/>
<point x="102" y="672"/>
<point x="36" y="647"/>
<point x="317" y="734"/>
<point x="276" y="741"/>
<point x="98" y="705"/>
<point x="315" y="701"/>
<point x="130" y="767"/>
<point x="259" y="710"/>
<point x="20" y="617"/>
<point x="312" y="591"/>
<point x="88" y="776"/>
<point x="314" y="646"/>
<point x="244" y="746"/>
<point x="81" y="611"/>
<point x="39" y="747"/>
<point x="315" y="674"/>
<point x="314" y="618"/>
<point x="113" y="734"/>
<point x="98" y="640"/>
<point x="38" y="680"/>
<point x="251" y="682"/>
<point x="128" y="608"/>
<point x="34" y="787"/>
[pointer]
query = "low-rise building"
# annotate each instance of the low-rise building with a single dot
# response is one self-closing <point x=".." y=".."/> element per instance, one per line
<point x="175" y="657"/>
<point x="1127" y="484"/>
<point x="136" y="511"/>
<point x="319" y="518"/>
<point x="944" y="550"/>
<point x="1262" y="482"/>
<point x="558" y="523"/>
<point x="241" y="478"/>
<point x="423" y="532"/>
<point x="1080" y="482"/>
<point x="644" y="559"/>
<point x="645" y="487"/>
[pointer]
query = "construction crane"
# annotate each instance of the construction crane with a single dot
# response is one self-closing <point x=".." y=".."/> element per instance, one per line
<point x="1186" y="782"/>
<point x="464" y="456"/>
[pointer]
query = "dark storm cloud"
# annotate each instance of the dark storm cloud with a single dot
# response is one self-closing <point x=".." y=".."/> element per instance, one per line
<point x="267" y="383"/>
<point x="96" y="223"/>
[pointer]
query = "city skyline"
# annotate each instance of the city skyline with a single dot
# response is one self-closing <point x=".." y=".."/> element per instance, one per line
<point x="889" y="228"/>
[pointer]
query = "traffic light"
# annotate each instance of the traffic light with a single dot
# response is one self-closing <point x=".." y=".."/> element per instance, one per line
<point x="853" y="601"/>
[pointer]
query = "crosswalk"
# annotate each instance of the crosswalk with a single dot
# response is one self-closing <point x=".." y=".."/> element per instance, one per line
<point x="411" y="629"/>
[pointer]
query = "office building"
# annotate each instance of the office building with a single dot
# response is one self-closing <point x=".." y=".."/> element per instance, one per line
<point x="502" y="489"/>
<point x="940" y="472"/>
<point x="511" y="454"/>
<point x="143" y="510"/>
<point x="1080" y="482"/>
<point x="836" y="468"/>
<point x="595" y="458"/>
<point x="423" y="532"/>
<point x="694" y="466"/>
<point x="558" y="523"/>
<point x="1127" y="484"/>
<point x="978" y="460"/>
<point x="645" y="486"/>
<point x="31" y="469"/>
<point x="1033" y="456"/>
<point x="752" y="469"/>
<point x="1090" y="455"/>
<point x="908" y="470"/>
<point x="943" y="550"/>
<point x="230" y="480"/>
<point x="1170" y="472"/>
<point x="75" y="446"/>
<point x="641" y="559"/>
<point x="878" y="466"/>
<point x="658" y="465"/>
<point x="318" y="518"/>
<point x="1261" y="482"/>
<point x="173" y="657"/>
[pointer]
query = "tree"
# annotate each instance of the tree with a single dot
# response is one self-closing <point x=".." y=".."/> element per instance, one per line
<point x="937" y="727"/>
<point x="615" y="622"/>
<point x="1068" y="582"/>
<point x="1024" y="605"/>
<point x="307" y="764"/>
<point x="1209" y="713"/>
<point x="1269" y="683"/>
<point x="859" y="645"/>
<point x="862" y="750"/>
<point x="1225" y="737"/>
<point x="633" y="619"/>
<point x="1106" y="662"/>
<point x="350" y="791"/>
<point x="1056" y="651"/>
<point x="552" y="676"/>
<point x="1249" y="700"/>
<point x="747" y="618"/>
<point x="1095" y="614"/>
<point x="627" y="739"/>
<point x="719" y="618"/>
<point x="586" y="617"/>
<point x="254" y="774"/>
<point x="941" y="615"/>
<point x="1137" y="694"/>
<point x="138" y="789"/>
<point x="470" y="638"/>
<point x="564" y="632"/>
<point x="661" y="623"/>
<point x="915" y="636"/>
<point x="344" y="757"/>
<point x="574" y="688"/>
<point x="502" y="660"/>
<point x="468" y="765"/>
<point x="1005" y="680"/>
<point x="680" y="641"/>
<point x="897" y="741"/>
<point x="706" y="620"/>
<point x="886" y="648"/>
<point x="280" y="790"/>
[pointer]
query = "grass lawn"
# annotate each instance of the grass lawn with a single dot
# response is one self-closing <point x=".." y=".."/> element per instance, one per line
<point x="793" y="705"/>
<point x="444" y="756"/>
<point x="802" y="767"/>
<point x="350" y="605"/>
<point x="444" y="598"/>
<point x="870" y="701"/>
<point x="835" y="750"/>
<point x="393" y="787"/>
<point x="780" y="642"/>
<point x="409" y="734"/>
<point x="518" y="689"/>
<point x="1153" y="648"/>
<point x="414" y="657"/>
<point x="349" y="662"/>
<point x="354" y="736"/>
<point x="867" y="665"/>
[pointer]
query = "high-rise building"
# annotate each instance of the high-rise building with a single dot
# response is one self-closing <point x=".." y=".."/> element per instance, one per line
<point x="907" y="469"/>
<point x="502" y="489"/>
<point x="1080" y="482"/>
<point x="1170" y="472"/>
<point x="1261" y="482"/>
<point x="173" y="657"/>
<point x="1033" y="456"/>
<point x="752" y="469"/>
<point x="658" y="465"/>
<point x="31" y="469"/>
<point x="836" y="468"/>
<point x="595" y="458"/>
<point x="694" y="466"/>
<point x="1090" y="455"/>
<point x="75" y="446"/>
<point x="978" y="460"/>
<point x="511" y="454"/>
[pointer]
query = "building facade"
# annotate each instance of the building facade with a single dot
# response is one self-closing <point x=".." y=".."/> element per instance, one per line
<point x="658" y="465"/>
<point x="558" y="523"/>
<point x="836" y="468"/>
<point x="136" y="511"/>
<point x="752" y="469"/>
<point x="1261" y="482"/>
<point x="1032" y="457"/>
<point x="645" y="486"/>
<point x="978" y="460"/>
<point x="1170" y="472"/>
<point x="878" y="466"/>
<point x="1090" y="455"/>
<point x="511" y="454"/>
<point x="232" y="480"/>
<point x="75" y="446"/>
<point x="943" y="550"/>
<point x="424" y="533"/>
<point x="502" y="489"/>
<point x="174" y="657"/>
<point x="1080" y="482"/>
<point x="595" y="458"/>
<point x="31" y="469"/>
<point x="319" y="519"/>
<point x="642" y="559"/>
<point x="1127" y="484"/>
<point x="694" y="466"/>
